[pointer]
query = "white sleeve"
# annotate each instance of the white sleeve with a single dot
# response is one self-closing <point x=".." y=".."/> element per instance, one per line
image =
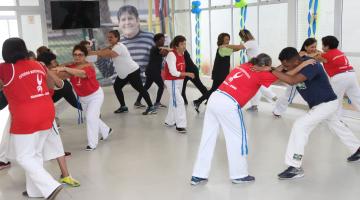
<point x="171" y="61"/>
<point x="249" y="45"/>
<point x="117" y="49"/>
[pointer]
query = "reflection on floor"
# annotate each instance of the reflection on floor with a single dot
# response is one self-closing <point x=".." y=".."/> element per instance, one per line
<point x="143" y="159"/>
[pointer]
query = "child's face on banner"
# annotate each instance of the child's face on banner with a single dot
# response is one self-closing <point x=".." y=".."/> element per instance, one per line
<point x="129" y="25"/>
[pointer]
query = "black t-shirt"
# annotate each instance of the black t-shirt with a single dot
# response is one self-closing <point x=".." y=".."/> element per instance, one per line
<point x="155" y="63"/>
<point x="316" y="89"/>
<point x="221" y="67"/>
<point x="190" y="65"/>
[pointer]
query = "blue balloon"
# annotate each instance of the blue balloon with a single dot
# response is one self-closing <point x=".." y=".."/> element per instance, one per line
<point x="196" y="3"/>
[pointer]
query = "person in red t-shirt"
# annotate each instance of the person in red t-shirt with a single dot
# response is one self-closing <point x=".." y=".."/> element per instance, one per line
<point x="238" y="88"/>
<point x="342" y="75"/>
<point x="83" y="78"/>
<point x="24" y="83"/>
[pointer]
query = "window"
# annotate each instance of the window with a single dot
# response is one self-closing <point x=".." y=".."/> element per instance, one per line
<point x="9" y="26"/>
<point x="350" y="27"/>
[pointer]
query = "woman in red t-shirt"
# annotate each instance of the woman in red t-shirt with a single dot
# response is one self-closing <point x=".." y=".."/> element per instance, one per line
<point x="83" y="78"/>
<point x="24" y="83"/>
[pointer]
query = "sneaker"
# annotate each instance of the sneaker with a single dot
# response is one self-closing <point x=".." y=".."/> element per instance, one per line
<point x="354" y="157"/>
<point x="4" y="165"/>
<point x="246" y="179"/>
<point x="181" y="130"/>
<point x="197" y="180"/>
<point x="110" y="132"/>
<point x="70" y="181"/>
<point x="122" y="109"/>
<point x="196" y="106"/>
<point x="276" y="115"/>
<point x="159" y="105"/>
<point x="67" y="154"/>
<point x="139" y="105"/>
<point x="55" y="193"/>
<point x="88" y="148"/>
<point x="253" y="109"/>
<point x="150" y="110"/>
<point x="169" y="125"/>
<point x="291" y="173"/>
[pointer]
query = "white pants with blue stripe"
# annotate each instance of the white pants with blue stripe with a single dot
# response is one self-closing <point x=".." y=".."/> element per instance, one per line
<point x="176" y="109"/>
<point x="229" y="117"/>
<point x="283" y="102"/>
<point x="263" y="91"/>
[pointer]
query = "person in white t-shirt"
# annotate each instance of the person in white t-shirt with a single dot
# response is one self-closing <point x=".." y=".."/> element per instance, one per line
<point x="127" y="70"/>
<point x="252" y="50"/>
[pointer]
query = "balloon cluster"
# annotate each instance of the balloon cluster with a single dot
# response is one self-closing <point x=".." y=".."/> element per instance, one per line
<point x="196" y="7"/>
<point x="240" y="3"/>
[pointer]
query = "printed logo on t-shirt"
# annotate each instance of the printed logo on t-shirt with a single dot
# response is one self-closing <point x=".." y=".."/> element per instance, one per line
<point x="301" y="86"/>
<point x="39" y="82"/>
<point x="239" y="74"/>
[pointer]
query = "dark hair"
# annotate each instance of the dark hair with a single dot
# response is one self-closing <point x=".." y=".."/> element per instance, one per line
<point x="307" y="43"/>
<point x="116" y="34"/>
<point x="331" y="41"/>
<point x="261" y="60"/>
<point x="245" y="35"/>
<point x="46" y="57"/>
<point x="14" y="49"/>
<point x="158" y="36"/>
<point x="177" y="39"/>
<point x="220" y="40"/>
<point x="31" y="54"/>
<point x="42" y="49"/>
<point x="80" y="48"/>
<point x="84" y="43"/>
<point x="288" y="53"/>
<point x="127" y="9"/>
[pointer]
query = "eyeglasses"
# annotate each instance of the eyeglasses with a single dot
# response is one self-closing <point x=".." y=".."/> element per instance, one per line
<point x="78" y="54"/>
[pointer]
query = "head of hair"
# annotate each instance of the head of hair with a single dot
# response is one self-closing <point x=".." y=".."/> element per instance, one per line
<point x="289" y="53"/>
<point x="84" y="43"/>
<point x="14" y="49"/>
<point x="220" y="39"/>
<point x="42" y="49"/>
<point x="46" y="58"/>
<point x="31" y="54"/>
<point x="308" y="42"/>
<point x="245" y="35"/>
<point x="158" y="36"/>
<point x="80" y="48"/>
<point x="131" y="10"/>
<point x="261" y="60"/>
<point x="330" y="41"/>
<point x="177" y="39"/>
<point x="116" y="34"/>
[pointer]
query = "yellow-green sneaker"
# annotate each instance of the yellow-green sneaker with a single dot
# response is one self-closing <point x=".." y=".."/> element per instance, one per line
<point x="70" y="181"/>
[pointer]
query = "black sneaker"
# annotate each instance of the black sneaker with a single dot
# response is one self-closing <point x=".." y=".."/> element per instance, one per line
<point x="88" y="148"/>
<point x="139" y="105"/>
<point x="181" y="130"/>
<point x="197" y="180"/>
<point x="253" y="109"/>
<point x="196" y="106"/>
<point x="150" y="111"/>
<point x="246" y="179"/>
<point x="4" y="165"/>
<point x="67" y="154"/>
<point x="122" y="109"/>
<point x="354" y="157"/>
<point x="159" y="105"/>
<point x="291" y="173"/>
<point x="110" y="132"/>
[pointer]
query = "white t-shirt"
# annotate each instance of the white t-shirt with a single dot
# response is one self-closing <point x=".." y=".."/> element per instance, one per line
<point x="124" y="64"/>
<point x="252" y="49"/>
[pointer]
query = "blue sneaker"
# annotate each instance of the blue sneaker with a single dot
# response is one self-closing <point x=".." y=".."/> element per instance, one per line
<point x="291" y="173"/>
<point x="197" y="180"/>
<point x="246" y="179"/>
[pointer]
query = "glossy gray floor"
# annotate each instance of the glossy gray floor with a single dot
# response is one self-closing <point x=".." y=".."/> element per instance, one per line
<point x="143" y="159"/>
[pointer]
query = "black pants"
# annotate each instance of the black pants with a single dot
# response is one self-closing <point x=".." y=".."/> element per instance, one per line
<point x="68" y="94"/>
<point x="214" y="87"/>
<point x="157" y="79"/>
<point x="135" y="81"/>
<point x="196" y="81"/>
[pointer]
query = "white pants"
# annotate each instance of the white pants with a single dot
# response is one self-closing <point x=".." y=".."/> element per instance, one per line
<point x="53" y="146"/>
<point x="283" y="102"/>
<point x="28" y="151"/>
<point x="61" y="106"/>
<point x="325" y="112"/>
<point x="346" y="83"/>
<point x="229" y="117"/>
<point x="5" y="142"/>
<point x="176" y="109"/>
<point x="92" y="106"/>
<point x="263" y="91"/>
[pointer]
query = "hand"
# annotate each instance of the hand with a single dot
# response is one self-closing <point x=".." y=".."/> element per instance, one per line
<point x="59" y="69"/>
<point x="191" y="75"/>
<point x="302" y="53"/>
<point x="257" y="68"/>
<point x="164" y="51"/>
<point x="309" y="62"/>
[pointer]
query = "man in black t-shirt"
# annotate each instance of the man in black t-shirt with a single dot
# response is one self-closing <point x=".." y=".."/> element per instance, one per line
<point x="313" y="85"/>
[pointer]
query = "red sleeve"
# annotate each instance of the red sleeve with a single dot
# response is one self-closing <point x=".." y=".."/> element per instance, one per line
<point x="90" y="72"/>
<point x="327" y="56"/>
<point x="267" y="78"/>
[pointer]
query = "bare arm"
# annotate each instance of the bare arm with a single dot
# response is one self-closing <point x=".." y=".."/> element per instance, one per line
<point x="1" y="85"/>
<point x="105" y="53"/>
<point x="290" y="79"/>
<point x="55" y="80"/>
<point x="71" y="71"/>
<point x="300" y="67"/>
<point x="235" y="47"/>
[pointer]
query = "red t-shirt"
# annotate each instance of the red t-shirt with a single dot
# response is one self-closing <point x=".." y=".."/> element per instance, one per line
<point x="180" y="66"/>
<point x="30" y="103"/>
<point x="85" y="86"/>
<point x="337" y="62"/>
<point x="242" y="83"/>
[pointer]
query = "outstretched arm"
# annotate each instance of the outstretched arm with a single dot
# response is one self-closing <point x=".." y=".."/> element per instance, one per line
<point x="235" y="47"/>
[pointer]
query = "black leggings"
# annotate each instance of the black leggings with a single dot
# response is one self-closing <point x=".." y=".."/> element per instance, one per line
<point x="215" y="86"/>
<point x="68" y="94"/>
<point x="196" y="81"/>
<point x="150" y="79"/>
<point x="135" y="81"/>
